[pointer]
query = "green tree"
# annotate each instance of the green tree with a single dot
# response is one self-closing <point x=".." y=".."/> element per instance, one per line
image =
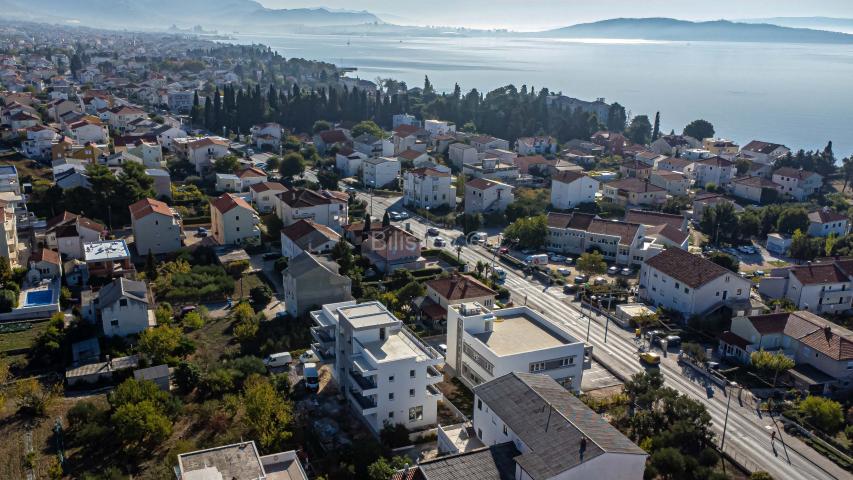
<point x="5" y="270"/>
<point x="742" y="165"/>
<point x="192" y="321"/>
<point x="383" y="469"/>
<point x="616" y="118"/>
<point x="640" y="130"/>
<point x="720" y="223"/>
<point x="760" y="475"/>
<point x="530" y="232"/>
<point x="699" y="129"/>
<point x="226" y="164"/>
<point x="669" y="463"/>
<point x="328" y="179"/>
<point x="725" y="260"/>
<point x="792" y="219"/>
<point x="386" y="220"/>
<point x="292" y="165"/>
<point x="656" y="129"/>
<point x="321" y="126"/>
<point x="160" y="343"/>
<point x="802" y="247"/>
<point x="591" y="263"/>
<point x="273" y="163"/>
<point x="369" y="127"/>
<point x="261" y="295"/>
<point x="140" y="425"/>
<point x="774" y="363"/>
<point x="823" y="413"/>
<point x="268" y="415"/>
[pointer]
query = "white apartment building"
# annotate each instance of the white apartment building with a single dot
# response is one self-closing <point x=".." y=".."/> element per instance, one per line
<point x="438" y="127"/>
<point x="483" y="195"/>
<point x="825" y="222"/>
<point x="326" y="207"/>
<point x="461" y="154"/>
<point x="378" y="172"/>
<point x="487" y="142"/>
<point x="349" y="165"/>
<point x="386" y="372"/>
<point x="264" y="195"/>
<point x="821" y="287"/>
<point x="123" y="307"/>
<point x="9" y="179"/>
<point x="570" y="189"/>
<point x="797" y="184"/>
<point x="621" y="242"/>
<point x="690" y="284"/>
<point x="156" y="227"/>
<point x="764" y="152"/>
<point x="428" y="188"/>
<point x="716" y="170"/>
<point x="483" y="345"/>
<point x="233" y="221"/>
<point x="201" y="152"/>
<point x="675" y="183"/>
<point x="9" y="246"/>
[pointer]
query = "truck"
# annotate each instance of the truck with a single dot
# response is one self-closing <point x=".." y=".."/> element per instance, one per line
<point x="312" y="377"/>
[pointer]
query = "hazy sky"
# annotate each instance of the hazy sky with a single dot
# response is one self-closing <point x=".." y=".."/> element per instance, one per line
<point x="539" y="14"/>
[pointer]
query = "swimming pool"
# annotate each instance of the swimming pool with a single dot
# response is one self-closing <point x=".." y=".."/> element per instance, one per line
<point x="40" y="297"/>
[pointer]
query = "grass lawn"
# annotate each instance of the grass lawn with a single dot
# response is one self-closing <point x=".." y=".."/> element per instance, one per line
<point x="213" y="341"/>
<point x="22" y="339"/>
<point x="26" y="167"/>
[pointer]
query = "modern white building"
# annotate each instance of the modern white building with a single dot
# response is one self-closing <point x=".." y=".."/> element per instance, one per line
<point x="386" y="372"/>
<point x="438" y="127"/>
<point x="764" y="152"/>
<point x="428" y="188"/>
<point x="822" y="287"/>
<point x="233" y="221"/>
<point x="483" y="196"/>
<point x="156" y="226"/>
<point x="621" y="242"/>
<point x="201" y="152"/>
<point x="349" y="165"/>
<point x="307" y="236"/>
<point x="461" y="154"/>
<point x="716" y="170"/>
<point x="9" y="179"/>
<point x="267" y="135"/>
<point x="326" y="207"/>
<point x="264" y="195"/>
<point x="570" y="189"/>
<point x="690" y="284"/>
<point x="9" y="245"/>
<point x="123" y="307"/>
<point x="527" y="427"/>
<point x="485" y="344"/>
<point x="797" y="184"/>
<point x="825" y="222"/>
<point x="239" y="461"/>
<point x="379" y="172"/>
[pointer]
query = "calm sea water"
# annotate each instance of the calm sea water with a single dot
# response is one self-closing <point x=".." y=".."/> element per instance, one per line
<point x="799" y="95"/>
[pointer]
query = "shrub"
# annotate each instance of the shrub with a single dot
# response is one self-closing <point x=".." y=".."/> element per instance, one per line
<point x="823" y="413"/>
<point x="261" y="295"/>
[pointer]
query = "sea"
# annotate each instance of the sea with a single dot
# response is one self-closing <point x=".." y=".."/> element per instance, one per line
<point x="800" y="95"/>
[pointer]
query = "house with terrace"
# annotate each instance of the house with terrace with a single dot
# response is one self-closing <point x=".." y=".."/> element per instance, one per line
<point x="824" y="286"/>
<point x="620" y="242"/>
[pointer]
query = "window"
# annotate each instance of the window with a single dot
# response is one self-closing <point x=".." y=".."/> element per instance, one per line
<point x="391" y="379"/>
<point x="480" y="402"/>
<point x="537" y="367"/>
<point x="237" y="218"/>
<point x="114" y="323"/>
<point x="417" y="413"/>
<point x="411" y="374"/>
<point x="122" y="302"/>
<point x="411" y="392"/>
<point x="391" y="396"/>
<point x="390" y="414"/>
<point x="505" y="431"/>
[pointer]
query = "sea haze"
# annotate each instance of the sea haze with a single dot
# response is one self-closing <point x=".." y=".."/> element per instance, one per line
<point x="797" y="94"/>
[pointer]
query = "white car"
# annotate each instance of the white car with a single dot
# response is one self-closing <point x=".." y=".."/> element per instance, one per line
<point x="308" y="356"/>
<point x="557" y="258"/>
<point x="443" y="349"/>
<point x="613" y="270"/>
<point x="439" y="242"/>
<point x="564" y="271"/>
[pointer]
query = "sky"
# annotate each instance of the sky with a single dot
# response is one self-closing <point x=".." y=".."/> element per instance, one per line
<point x="530" y="15"/>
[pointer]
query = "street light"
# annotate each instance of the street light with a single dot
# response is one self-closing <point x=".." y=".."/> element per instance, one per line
<point x="726" y="419"/>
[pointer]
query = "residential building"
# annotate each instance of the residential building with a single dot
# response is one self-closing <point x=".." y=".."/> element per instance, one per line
<point x="764" y="152"/>
<point x="457" y="288"/>
<point x="492" y="167"/>
<point x="393" y="248"/>
<point x="166" y="134"/>
<point x="486" y="196"/>
<point x="526" y="146"/>
<point x="485" y="344"/>
<point x="267" y="136"/>
<point x="675" y="183"/>
<point x="797" y="184"/>
<point x="9" y="179"/>
<point x="620" y="242"/>
<point x="310" y="281"/>
<point x="716" y="170"/>
<point x="720" y="146"/>
<point x="307" y="236"/>
<point x="633" y="191"/>
<point x="387" y="373"/>
<point x="107" y="259"/>
<point x="755" y="189"/>
<point x="404" y="119"/>
<point x="201" y="152"/>
<point x="428" y="188"/>
<point x="227" y="182"/>
<point x="487" y="142"/>
<point x="821" y="350"/>
<point x="162" y="182"/>
<point x="233" y="221"/>
<point x="45" y="264"/>
<point x="250" y="176"/>
<point x="239" y="461"/>
<point x="690" y="284"/>
<point x="824" y="286"/>
<point x="666" y="229"/>
<point x="778" y="243"/>
<point x="68" y="232"/>
<point x="533" y="428"/>
<point x="570" y="189"/>
<point x="264" y="195"/>
<point x="39" y="141"/>
<point x="461" y="154"/>
<point x="158" y="375"/>
<point x="326" y="207"/>
<point x="372" y="146"/>
<point x="418" y="159"/>
<point x="635" y="169"/>
<point x="180" y="100"/>
<point x="439" y="127"/>
<point x="704" y="200"/>
<point x="349" y="164"/>
<point x="122" y="307"/>
<point x="151" y="153"/>
<point x="673" y="164"/>
<point x="380" y="172"/>
<point x="825" y="222"/>
<point x="328" y="139"/>
<point x="409" y="137"/>
<point x="9" y="245"/>
<point x="673" y="145"/>
<point x="157" y="227"/>
<point x="89" y="129"/>
<point x="121" y="116"/>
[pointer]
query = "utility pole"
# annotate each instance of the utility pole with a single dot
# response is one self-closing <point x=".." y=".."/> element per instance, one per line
<point x="726" y="419"/>
<point x="607" y="316"/>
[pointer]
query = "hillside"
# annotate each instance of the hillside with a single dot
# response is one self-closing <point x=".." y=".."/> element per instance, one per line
<point x="681" y="30"/>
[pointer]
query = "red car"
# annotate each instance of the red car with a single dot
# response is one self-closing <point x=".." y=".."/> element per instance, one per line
<point x="503" y="250"/>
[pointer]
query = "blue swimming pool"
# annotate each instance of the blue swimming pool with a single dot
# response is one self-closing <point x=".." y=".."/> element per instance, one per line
<point x="39" y="297"/>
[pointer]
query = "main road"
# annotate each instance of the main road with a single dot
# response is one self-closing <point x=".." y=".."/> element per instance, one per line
<point x="747" y="433"/>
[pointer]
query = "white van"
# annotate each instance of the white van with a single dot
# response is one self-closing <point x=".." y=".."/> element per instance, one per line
<point x="312" y="377"/>
<point x="540" y="259"/>
<point x="278" y="360"/>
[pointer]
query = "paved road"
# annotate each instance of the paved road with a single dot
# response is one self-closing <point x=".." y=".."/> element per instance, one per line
<point x="747" y="434"/>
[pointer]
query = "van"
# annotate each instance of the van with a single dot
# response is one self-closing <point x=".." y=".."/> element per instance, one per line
<point x="540" y="259"/>
<point x="312" y="377"/>
<point x="500" y="273"/>
<point x="278" y="360"/>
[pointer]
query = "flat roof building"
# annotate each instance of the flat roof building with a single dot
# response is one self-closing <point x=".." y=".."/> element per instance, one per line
<point x="239" y="461"/>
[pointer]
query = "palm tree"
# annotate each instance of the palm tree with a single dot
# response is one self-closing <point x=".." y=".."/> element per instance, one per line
<point x="481" y="267"/>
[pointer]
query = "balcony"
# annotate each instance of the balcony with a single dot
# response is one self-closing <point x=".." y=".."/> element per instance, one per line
<point x="362" y="366"/>
<point x="325" y="355"/>
<point x="433" y="375"/>
<point x="323" y="337"/>
<point x="433" y="391"/>
<point x="364" y="384"/>
<point x="365" y="405"/>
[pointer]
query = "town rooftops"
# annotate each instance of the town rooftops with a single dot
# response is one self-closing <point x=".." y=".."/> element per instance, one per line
<point x="406" y="130"/>
<point x="305" y="232"/>
<point x="761" y="147"/>
<point x="794" y="173"/>
<point x="576" y="220"/>
<point x="227" y="202"/>
<point x="303" y="197"/>
<point x="647" y="217"/>
<point x="105" y="251"/>
<point x="757" y="182"/>
<point x="484" y="183"/>
<point x="825" y="215"/>
<point x="496" y="462"/>
<point x="832" y="340"/>
<point x="239" y="461"/>
<point x="429" y="172"/>
<point x="122" y="287"/>
<point x="148" y="206"/>
<point x="410" y="154"/>
<point x="459" y="287"/>
<point x="518" y="332"/>
<point x="368" y="315"/>
<point x="204" y="142"/>
<point x="558" y="429"/>
<point x="333" y="136"/>
<point x="715" y="161"/>
<point x="676" y="140"/>
<point x="692" y="270"/>
<point x="634" y="185"/>
<point x="46" y="255"/>
<point x="568" y="176"/>
<point x="819" y="273"/>
<point x="127" y="110"/>
<point x="670" y="175"/>
<point x="249" y="172"/>
<point x="267" y="186"/>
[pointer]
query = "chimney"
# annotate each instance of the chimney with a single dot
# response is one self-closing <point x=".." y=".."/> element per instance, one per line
<point x="827" y="330"/>
<point x="583" y="447"/>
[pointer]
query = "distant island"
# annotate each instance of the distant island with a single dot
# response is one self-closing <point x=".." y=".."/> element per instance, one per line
<point x="668" y="29"/>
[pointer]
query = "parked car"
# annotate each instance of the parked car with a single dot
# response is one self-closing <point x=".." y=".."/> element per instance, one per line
<point x="557" y="258"/>
<point x="403" y="214"/>
<point x="432" y="231"/>
<point x="673" y="340"/>
<point x="627" y="271"/>
<point x="278" y="360"/>
<point x="600" y="281"/>
<point x="499" y="272"/>
<point x="564" y="271"/>
<point x="308" y="356"/>
<point x="581" y="279"/>
<point x="442" y="348"/>
<point x="395" y="216"/>
<point x="439" y="242"/>
<point x="201" y="232"/>
<point x="312" y="376"/>
<point x="613" y="270"/>
<point x="570" y="289"/>
<point x="650" y="358"/>
<point x="759" y="273"/>
<point x="540" y="259"/>
<point x="503" y="250"/>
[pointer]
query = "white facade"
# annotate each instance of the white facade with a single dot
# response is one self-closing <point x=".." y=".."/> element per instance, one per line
<point x="83" y="132"/>
<point x="200" y="152"/>
<point x="483" y="345"/>
<point x="380" y="171"/>
<point x="438" y="127"/>
<point x="322" y="207"/>
<point x="487" y="196"/>
<point x="125" y="308"/>
<point x="825" y="287"/>
<point x="349" y="165"/>
<point x="234" y="221"/>
<point x="9" y="246"/>
<point x="156" y="227"/>
<point x="461" y="154"/>
<point x="386" y="373"/>
<point x="572" y="189"/>
<point x="797" y="184"/>
<point x="428" y="188"/>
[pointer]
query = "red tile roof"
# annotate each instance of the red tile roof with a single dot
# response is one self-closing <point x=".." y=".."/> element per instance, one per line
<point x="228" y="202"/>
<point x="429" y="172"/>
<point x="692" y="270"/>
<point x="46" y="255"/>
<point x="147" y="206"/>
<point x="251" y="172"/>
<point x="460" y="287"/>
<point x="826" y="216"/>
<point x="818" y="273"/>
<point x="634" y="185"/>
<point x="267" y="186"/>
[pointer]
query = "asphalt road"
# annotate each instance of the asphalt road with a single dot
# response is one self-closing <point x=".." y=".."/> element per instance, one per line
<point x="747" y="433"/>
